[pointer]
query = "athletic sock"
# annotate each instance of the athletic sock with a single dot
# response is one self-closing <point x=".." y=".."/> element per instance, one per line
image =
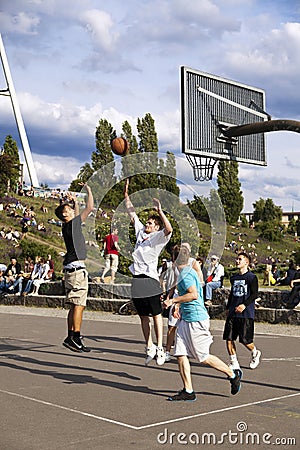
<point x="70" y="333"/>
<point x="233" y="358"/>
<point x="188" y="391"/>
<point x="233" y="376"/>
<point x="254" y="351"/>
<point x="76" y="337"/>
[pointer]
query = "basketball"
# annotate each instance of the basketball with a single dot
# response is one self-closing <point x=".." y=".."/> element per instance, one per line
<point x="119" y="146"/>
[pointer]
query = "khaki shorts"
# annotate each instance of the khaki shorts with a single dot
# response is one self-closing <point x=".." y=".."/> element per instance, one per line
<point x="76" y="286"/>
<point x="111" y="262"/>
<point x="193" y="339"/>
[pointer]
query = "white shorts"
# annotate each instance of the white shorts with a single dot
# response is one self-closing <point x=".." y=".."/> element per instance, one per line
<point x="193" y="339"/>
<point x="172" y="321"/>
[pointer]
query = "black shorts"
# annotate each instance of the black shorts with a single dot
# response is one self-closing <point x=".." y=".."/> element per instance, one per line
<point x="239" y="327"/>
<point x="146" y="295"/>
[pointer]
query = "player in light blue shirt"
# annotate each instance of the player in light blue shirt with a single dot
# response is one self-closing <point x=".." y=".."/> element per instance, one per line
<point x="193" y="338"/>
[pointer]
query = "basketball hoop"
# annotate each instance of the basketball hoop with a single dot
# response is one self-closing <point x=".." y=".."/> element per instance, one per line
<point x="203" y="167"/>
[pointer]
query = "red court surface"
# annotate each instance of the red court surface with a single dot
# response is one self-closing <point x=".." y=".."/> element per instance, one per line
<point x="52" y="398"/>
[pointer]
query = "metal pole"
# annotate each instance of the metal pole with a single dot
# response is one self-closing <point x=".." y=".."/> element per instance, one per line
<point x="262" y="127"/>
<point x="18" y="117"/>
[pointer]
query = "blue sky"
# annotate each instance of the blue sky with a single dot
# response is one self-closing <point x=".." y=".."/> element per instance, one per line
<point x="74" y="63"/>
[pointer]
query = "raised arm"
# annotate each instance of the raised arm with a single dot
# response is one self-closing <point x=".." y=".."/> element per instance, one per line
<point x="166" y="224"/>
<point x="129" y="206"/>
<point x="89" y="207"/>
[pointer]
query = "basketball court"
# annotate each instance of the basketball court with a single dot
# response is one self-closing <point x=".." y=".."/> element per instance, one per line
<point x="52" y="398"/>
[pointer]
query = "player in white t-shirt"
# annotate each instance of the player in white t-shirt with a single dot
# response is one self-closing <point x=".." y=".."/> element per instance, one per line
<point x="146" y="290"/>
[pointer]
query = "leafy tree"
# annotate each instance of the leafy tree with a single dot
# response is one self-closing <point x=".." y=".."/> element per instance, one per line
<point x="10" y="165"/>
<point x="6" y="169"/>
<point x="271" y="212"/>
<point x="103" y="154"/>
<point x="148" y="145"/>
<point x="298" y="227"/>
<point x="258" y="208"/>
<point x="101" y="157"/>
<point x="229" y="190"/>
<point x="130" y="166"/>
<point x="296" y="256"/>
<point x="267" y="217"/>
<point x="292" y="227"/>
<point x="272" y="230"/>
<point x="168" y="182"/>
<point x="198" y="208"/>
<point x="244" y="222"/>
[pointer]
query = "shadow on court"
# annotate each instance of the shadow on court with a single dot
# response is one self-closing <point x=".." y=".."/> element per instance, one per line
<point x="52" y="398"/>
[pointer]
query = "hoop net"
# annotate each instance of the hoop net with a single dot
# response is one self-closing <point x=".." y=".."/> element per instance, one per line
<point x="203" y="167"/>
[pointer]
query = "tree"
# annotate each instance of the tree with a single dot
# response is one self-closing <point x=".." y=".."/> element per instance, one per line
<point x="258" y="208"/>
<point x="271" y="212"/>
<point x="229" y="190"/>
<point x="6" y="169"/>
<point x="85" y="173"/>
<point x="292" y="226"/>
<point x="10" y="165"/>
<point x="103" y="157"/>
<point x="168" y="182"/>
<point x="148" y="145"/>
<point x="266" y="211"/>
<point x="267" y="217"/>
<point x="198" y="209"/>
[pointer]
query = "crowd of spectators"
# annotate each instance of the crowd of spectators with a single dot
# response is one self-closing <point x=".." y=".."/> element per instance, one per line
<point x="21" y="281"/>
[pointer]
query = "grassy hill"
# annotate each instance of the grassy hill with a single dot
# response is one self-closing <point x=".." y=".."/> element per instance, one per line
<point x="51" y="241"/>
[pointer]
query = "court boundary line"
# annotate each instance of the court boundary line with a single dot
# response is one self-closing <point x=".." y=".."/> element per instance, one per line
<point x="143" y="427"/>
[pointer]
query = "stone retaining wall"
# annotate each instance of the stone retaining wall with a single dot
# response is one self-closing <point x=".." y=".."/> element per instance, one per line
<point x="109" y="298"/>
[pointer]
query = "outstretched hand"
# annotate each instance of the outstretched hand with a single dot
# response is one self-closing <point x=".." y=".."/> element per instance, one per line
<point x="156" y="204"/>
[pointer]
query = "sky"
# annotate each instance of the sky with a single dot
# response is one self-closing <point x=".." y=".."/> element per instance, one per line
<point x="74" y="63"/>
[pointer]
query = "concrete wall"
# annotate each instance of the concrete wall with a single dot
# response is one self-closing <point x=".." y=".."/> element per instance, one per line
<point x="104" y="297"/>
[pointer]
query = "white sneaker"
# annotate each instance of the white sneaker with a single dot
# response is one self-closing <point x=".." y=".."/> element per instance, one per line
<point x="234" y="366"/>
<point x="255" y="360"/>
<point x="168" y="357"/>
<point x="160" y="356"/>
<point x="150" y="354"/>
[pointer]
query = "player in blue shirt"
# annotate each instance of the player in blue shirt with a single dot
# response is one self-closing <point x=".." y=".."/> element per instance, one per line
<point x="193" y="338"/>
<point x="240" y="312"/>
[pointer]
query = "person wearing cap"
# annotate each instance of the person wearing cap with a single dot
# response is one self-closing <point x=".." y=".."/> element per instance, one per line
<point x="75" y="273"/>
<point x="215" y="275"/>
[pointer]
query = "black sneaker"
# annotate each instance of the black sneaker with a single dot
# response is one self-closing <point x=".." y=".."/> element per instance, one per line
<point x="183" y="396"/>
<point x="71" y="344"/>
<point x="236" y="381"/>
<point x="84" y="347"/>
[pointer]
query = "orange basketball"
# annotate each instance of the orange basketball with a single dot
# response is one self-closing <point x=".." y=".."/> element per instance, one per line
<point x="120" y="146"/>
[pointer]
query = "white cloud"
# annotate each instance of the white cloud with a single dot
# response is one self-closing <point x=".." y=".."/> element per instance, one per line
<point x="52" y="169"/>
<point x="101" y="26"/>
<point x="277" y="51"/>
<point x="20" y="23"/>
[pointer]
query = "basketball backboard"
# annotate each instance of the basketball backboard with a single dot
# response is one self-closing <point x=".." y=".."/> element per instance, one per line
<point x="209" y="104"/>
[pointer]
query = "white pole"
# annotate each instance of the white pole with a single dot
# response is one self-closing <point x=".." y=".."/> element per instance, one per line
<point x="22" y="132"/>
